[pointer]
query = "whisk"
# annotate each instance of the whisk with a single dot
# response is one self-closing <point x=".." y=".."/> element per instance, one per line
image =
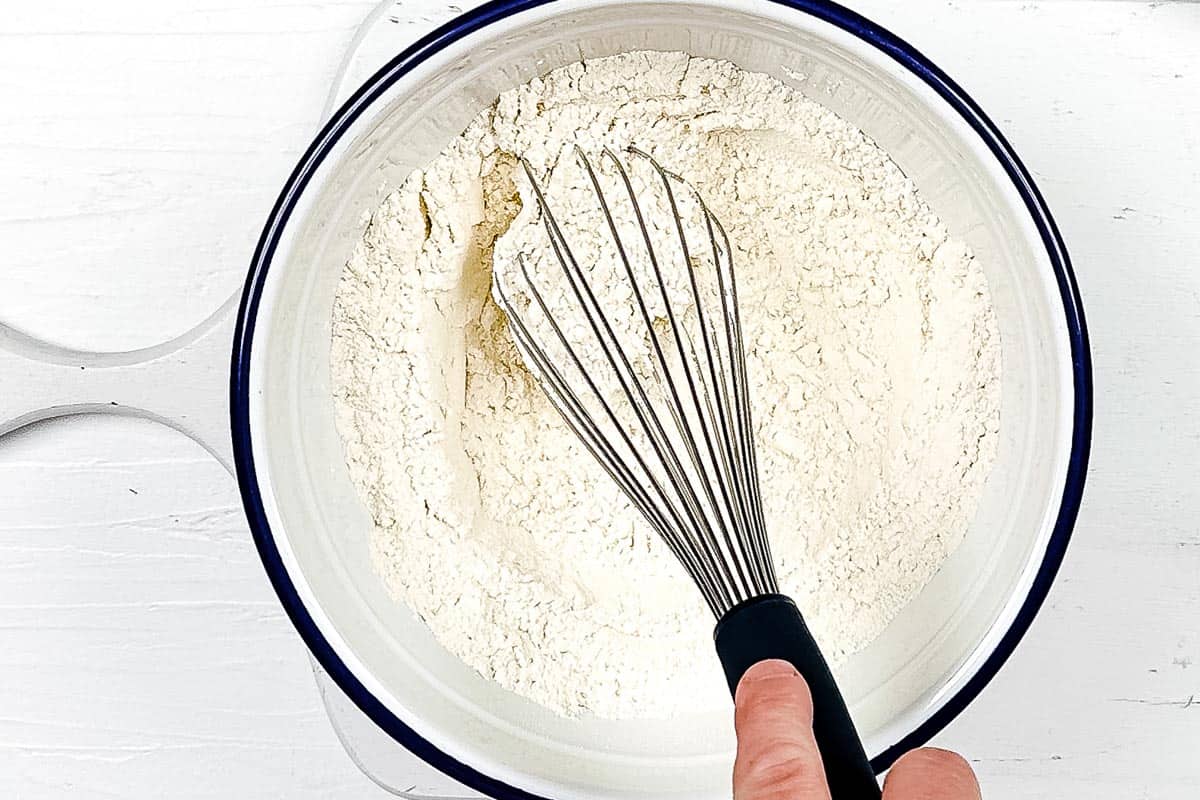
<point x="638" y="343"/>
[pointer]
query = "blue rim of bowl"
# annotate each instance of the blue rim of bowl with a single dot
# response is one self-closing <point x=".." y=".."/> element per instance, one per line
<point x="472" y="21"/>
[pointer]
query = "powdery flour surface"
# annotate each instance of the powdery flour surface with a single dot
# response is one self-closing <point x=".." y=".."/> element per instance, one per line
<point x="871" y="346"/>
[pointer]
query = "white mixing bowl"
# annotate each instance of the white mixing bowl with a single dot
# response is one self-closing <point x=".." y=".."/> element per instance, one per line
<point x="312" y="530"/>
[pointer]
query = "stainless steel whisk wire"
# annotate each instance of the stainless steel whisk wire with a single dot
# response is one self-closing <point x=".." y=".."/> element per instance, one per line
<point x="693" y="472"/>
<point x="705" y="503"/>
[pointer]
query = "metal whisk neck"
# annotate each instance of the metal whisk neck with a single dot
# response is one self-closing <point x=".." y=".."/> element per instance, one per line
<point x="661" y="398"/>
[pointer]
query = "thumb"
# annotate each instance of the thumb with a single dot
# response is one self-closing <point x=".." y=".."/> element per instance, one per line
<point x="777" y="756"/>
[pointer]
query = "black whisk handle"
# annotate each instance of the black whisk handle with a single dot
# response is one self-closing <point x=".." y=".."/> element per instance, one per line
<point x="770" y="626"/>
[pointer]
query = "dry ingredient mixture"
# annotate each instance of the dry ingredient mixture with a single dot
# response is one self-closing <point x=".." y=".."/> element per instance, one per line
<point x="871" y="345"/>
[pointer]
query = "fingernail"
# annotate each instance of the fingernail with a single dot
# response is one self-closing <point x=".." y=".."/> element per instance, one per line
<point x="771" y="668"/>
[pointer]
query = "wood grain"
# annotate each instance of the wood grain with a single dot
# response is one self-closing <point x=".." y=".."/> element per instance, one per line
<point x="143" y="653"/>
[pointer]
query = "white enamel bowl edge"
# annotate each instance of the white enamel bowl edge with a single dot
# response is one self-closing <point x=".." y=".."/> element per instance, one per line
<point x="311" y="529"/>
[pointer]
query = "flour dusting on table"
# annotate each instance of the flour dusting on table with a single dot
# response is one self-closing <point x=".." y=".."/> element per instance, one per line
<point x="872" y="351"/>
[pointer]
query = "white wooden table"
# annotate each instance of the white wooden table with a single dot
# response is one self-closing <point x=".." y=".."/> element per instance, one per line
<point x="142" y="653"/>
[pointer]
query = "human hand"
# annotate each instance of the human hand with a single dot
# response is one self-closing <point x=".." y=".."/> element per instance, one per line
<point x="777" y="756"/>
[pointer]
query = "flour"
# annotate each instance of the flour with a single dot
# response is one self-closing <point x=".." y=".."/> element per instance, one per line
<point x="872" y="353"/>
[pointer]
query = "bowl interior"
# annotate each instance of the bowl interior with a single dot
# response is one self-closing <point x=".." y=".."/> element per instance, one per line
<point x="321" y="528"/>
